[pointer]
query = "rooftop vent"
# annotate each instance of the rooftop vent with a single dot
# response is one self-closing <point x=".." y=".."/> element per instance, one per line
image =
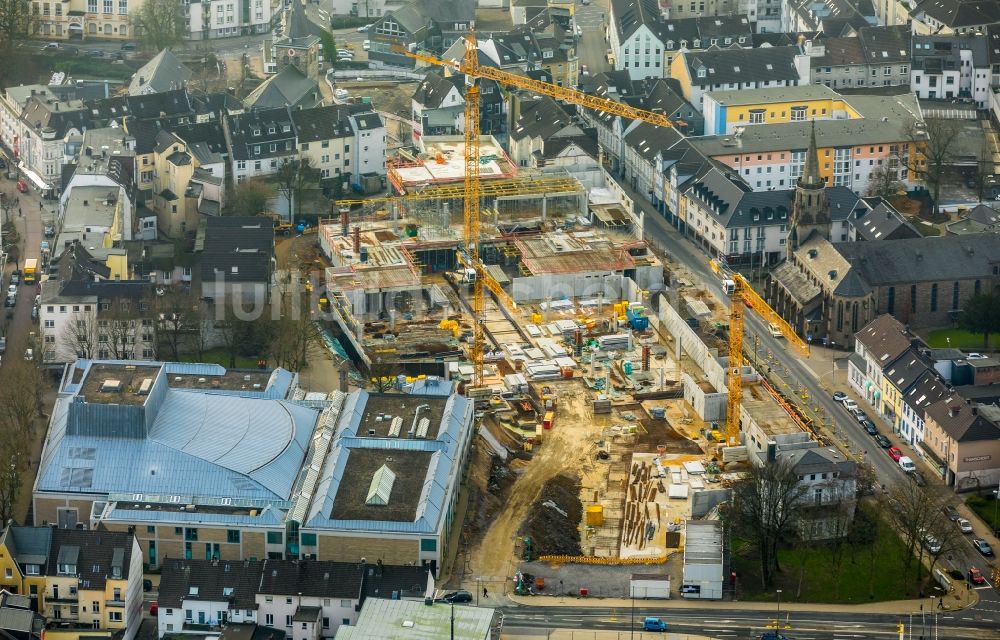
<point x="111" y="386"/>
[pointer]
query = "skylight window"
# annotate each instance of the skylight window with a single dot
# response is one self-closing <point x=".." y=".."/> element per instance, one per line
<point x="380" y="487"/>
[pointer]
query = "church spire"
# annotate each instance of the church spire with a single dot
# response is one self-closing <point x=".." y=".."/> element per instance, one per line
<point x="810" y="177"/>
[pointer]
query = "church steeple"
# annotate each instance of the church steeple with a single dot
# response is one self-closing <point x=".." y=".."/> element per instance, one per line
<point x="810" y="178"/>
<point x="810" y="209"/>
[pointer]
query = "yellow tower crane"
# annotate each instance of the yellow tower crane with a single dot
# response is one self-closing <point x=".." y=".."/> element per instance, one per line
<point x="473" y="71"/>
<point x="744" y="297"/>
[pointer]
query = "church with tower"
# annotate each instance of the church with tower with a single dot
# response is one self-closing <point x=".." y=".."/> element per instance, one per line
<point x="829" y="290"/>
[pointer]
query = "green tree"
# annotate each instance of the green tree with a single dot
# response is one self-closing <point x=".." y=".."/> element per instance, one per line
<point x="159" y="24"/>
<point x="329" y="48"/>
<point x="247" y="198"/>
<point x="981" y="314"/>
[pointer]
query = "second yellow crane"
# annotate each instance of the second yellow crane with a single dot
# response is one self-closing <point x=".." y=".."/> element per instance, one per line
<point x="473" y="71"/>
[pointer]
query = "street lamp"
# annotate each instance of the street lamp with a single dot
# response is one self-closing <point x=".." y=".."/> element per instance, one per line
<point x="777" y="620"/>
<point x="996" y="500"/>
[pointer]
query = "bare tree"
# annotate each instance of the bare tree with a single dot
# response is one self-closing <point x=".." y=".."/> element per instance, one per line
<point x="883" y="182"/>
<point x="18" y="408"/>
<point x="294" y="328"/>
<point x="382" y="375"/>
<point x="918" y="517"/>
<point x="177" y="315"/>
<point x="293" y="178"/>
<point x="984" y="168"/>
<point x="117" y="332"/>
<point x="159" y="24"/>
<point x="79" y="338"/>
<point x="16" y="22"/>
<point x="764" y="509"/>
<point x="934" y="144"/>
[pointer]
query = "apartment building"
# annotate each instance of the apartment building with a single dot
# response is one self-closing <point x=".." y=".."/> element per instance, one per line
<point x="259" y="142"/>
<point x="82" y="19"/>
<point x="188" y="184"/>
<point x="211" y="19"/>
<point x="951" y="67"/>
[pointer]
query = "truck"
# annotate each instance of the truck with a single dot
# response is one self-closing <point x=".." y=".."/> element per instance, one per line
<point x="30" y="270"/>
<point x="906" y="464"/>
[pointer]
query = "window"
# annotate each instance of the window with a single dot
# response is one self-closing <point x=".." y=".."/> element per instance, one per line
<point x="288" y="621"/>
<point x="428" y="544"/>
<point x="233" y="535"/>
<point x="307" y="539"/>
<point x="913" y="298"/>
<point x="123" y="7"/>
<point x="32" y="570"/>
<point x="269" y="619"/>
<point x="274" y="537"/>
<point x="118" y="593"/>
<point x="326" y="623"/>
<point x="934" y="297"/>
<point x="50" y="324"/>
<point x="191" y="534"/>
<point x="187" y="615"/>
<point x="954" y="296"/>
<point x="9" y="573"/>
<point x="890" y="305"/>
<point x="109" y="6"/>
<point x="757" y="116"/>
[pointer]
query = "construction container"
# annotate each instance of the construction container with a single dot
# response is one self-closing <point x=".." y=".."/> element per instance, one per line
<point x="549" y="419"/>
<point x="595" y="516"/>
<point x="567" y="373"/>
<point x="658" y="413"/>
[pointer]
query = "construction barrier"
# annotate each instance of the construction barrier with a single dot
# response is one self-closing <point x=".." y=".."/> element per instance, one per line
<point x="604" y="561"/>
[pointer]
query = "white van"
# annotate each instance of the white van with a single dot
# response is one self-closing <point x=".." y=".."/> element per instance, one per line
<point x="907" y="465"/>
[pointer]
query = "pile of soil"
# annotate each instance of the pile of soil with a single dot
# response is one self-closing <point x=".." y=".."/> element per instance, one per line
<point x="551" y="532"/>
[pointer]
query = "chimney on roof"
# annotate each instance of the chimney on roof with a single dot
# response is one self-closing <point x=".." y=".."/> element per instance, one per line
<point x="954" y="410"/>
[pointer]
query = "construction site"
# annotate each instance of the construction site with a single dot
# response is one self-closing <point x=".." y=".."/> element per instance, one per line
<point x="613" y="394"/>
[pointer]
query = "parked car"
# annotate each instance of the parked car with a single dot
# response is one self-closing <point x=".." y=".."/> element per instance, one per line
<point x="96" y="53"/>
<point x="883" y="441"/>
<point x="982" y="546"/>
<point x="906" y="464"/>
<point x="964" y="525"/>
<point x="341" y="94"/>
<point x="22" y="186"/>
<point x="129" y="46"/>
<point x="154" y="609"/>
<point x="29" y="354"/>
<point x="364" y="28"/>
<point x="12" y="288"/>
<point x="584" y="71"/>
<point x="839" y="396"/>
<point x="859" y="415"/>
<point x="654" y="624"/>
<point x="34" y="314"/>
<point x="932" y="544"/>
<point x="456" y="597"/>
<point x="147" y="584"/>
<point x="366" y="45"/>
<point x="15" y="278"/>
<point x="950" y="512"/>
<point x="10" y="301"/>
<point x="918" y="478"/>
<point x="850" y="405"/>
<point x="50" y="46"/>
<point x="50" y="231"/>
<point x="869" y="427"/>
<point x="895" y="453"/>
<point x="976" y="356"/>
<point x="976" y="576"/>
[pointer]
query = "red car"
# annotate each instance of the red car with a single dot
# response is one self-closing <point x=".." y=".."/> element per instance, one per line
<point x="895" y="453"/>
<point x="976" y="576"/>
<point x="22" y="186"/>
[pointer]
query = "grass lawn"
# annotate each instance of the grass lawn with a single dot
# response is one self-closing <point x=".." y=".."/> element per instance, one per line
<point x="985" y="508"/>
<point x="938" y="339"/>
<point x="220" y="356"/>
<point x="859" y="577"/>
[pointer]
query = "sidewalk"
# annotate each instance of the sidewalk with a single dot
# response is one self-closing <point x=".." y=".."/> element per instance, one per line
<point x="956" y="601"/>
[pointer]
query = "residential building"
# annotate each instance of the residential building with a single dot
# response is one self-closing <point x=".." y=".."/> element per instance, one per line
<point x="369" y="155"/>
<point x="699" y="34"/>
<point x="236" y="259"/>
<point x="772" y="156"/>
<point x="17" y="619"/>
<point x="13" y="101"/>
<point x="163" y="73"/>
<point x="643" y="143"/>
<point x="882" y="223"/>
<point x="243" y="501"/>
<point x="431" y="25"/>
<point x="225" y="19"/>
<point x="636" y="37"/>
<point x="47" y="123"/>
<point x="94" y="579"/>
<point x="950" y="67"/>
<point x="928" y="389"/>
<point x="188" y="184"/>
<point x="325" y="137"/>
<point x="382" y="618"/>
<point x="259" y="142"/>
<point x="887" y="52"/>
<point x="710" y="8"/>
<point x="106" y="157"/>
<point x="736" y="69"/>
<point x="727" y="111"/>
<point x="438" y="106"/>
<point x="84" y="313"/>
<point x="282" y="594"/>
<point x="538" y="122"/>
<point x="82" y="19"/>
<point x="962" y="442"/>
<point x="834" y="17"/>
<point x="288" y="87"/>
<point x="946" y="17"/>
<point x="24" y="562"/>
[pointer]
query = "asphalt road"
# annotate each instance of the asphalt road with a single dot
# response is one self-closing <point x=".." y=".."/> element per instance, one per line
<point x="748" y="624"/>
<point x="591" y="47"/>
<point x="18" y="327"/>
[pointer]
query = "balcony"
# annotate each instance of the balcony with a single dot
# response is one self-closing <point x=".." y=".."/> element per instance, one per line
<point x="114" y="603"/>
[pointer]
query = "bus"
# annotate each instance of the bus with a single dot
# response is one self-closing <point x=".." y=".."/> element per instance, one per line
<point x="30" y="270"/>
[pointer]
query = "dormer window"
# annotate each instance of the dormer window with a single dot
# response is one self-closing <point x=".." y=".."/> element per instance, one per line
<point x="547" y="54"/>
<point x="697" y="43"/>
<point x="701" y="72"/>
<point x="270" y="129"/>
<point x="285" y="128"/>
<point x="256" y="131"/>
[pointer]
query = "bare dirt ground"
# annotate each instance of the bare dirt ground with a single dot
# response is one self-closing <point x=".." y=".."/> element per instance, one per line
<point x="569" y="447"/>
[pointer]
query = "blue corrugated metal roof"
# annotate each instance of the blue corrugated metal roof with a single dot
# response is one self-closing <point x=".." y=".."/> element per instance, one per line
<point x="267" y="517"/>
